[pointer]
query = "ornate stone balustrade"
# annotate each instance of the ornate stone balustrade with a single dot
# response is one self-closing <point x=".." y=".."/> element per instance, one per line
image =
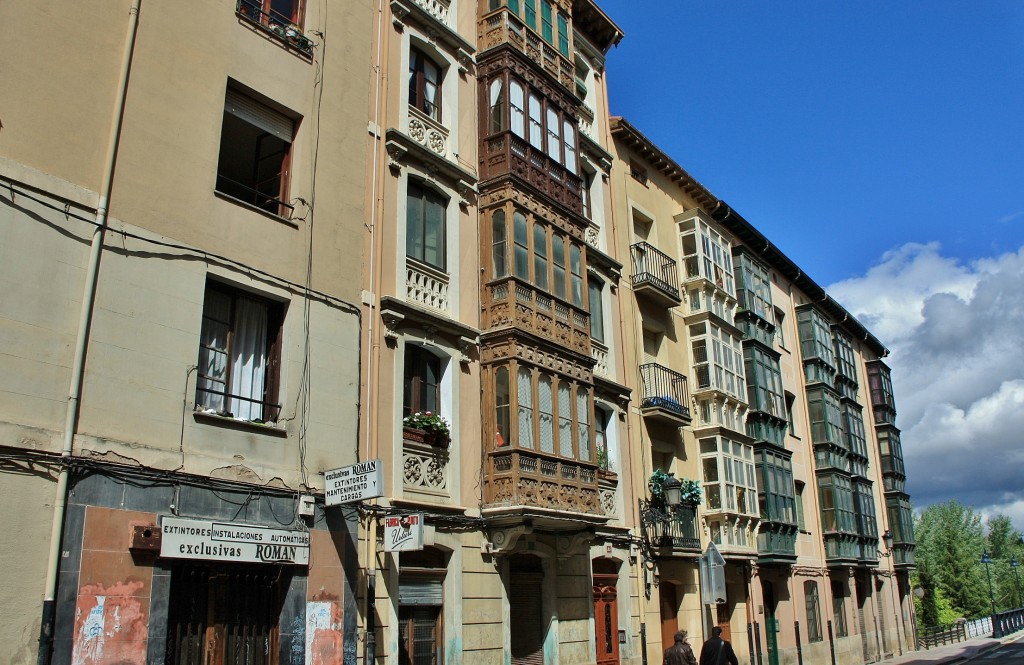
<point x="428" y="132"/>
<point x="426" y="286"/>
<point x="438" y="9"/>
<point x="599" y="352"/>
<point x="424" y="468"/>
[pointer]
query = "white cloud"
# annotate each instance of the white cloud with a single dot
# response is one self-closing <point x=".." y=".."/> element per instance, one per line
<point x="956" y="331"/>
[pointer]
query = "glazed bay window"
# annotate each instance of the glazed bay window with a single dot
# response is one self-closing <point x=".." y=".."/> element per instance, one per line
<point x="541" y="256"/>
<point x="815" y="337"/>
<point x="717" y="359"/>
<point x="728" y="476"/>
<point x="836" y="496"/>
<point x="552" y="413"/>
<point x="882" y="399"/>
<point x="845" y="363"/>
<point x="901" y="519"/>
<point x="425" y="84"/>
<point x="239" y="354"/>
<point x="826" y="418"/>
<point x="764" y="381"/>
<point x="753" y="289"/>
<point x="255" y="153"/>
<point x="891" y="452"/>
<point x="856" y="440"/>
<point x="864" y="506"/>
<point x="425" y="233"/>
<point x="775" y="488"/>
<point x="708" y="254"/>
<point x="534" y="119"/>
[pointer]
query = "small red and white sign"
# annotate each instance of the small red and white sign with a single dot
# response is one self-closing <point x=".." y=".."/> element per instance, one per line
<point x="403" y="533"/>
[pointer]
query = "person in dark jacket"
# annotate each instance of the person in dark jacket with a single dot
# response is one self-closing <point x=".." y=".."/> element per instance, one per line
<point x="679" y="653"/>
<point x="717" y="651"/>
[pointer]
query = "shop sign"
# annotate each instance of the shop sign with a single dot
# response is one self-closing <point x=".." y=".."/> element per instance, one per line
<point x="403" y="533"/>
<point x="237" y="543"/>
<point x="349" y="484"/>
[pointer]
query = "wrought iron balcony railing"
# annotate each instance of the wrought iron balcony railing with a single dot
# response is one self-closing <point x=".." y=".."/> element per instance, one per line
<point x="275" y="24"/>
<point x="654" y="274"/>
<point x="674" y="527"/>
<point x="664" y="393"/>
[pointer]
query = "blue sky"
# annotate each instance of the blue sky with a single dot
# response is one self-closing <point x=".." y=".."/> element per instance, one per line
<point x="881" y="146"/>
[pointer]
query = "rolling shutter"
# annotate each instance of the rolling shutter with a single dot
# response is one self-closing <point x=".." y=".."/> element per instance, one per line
<point x="258" y="115"/>
<point x="421" y="591"/>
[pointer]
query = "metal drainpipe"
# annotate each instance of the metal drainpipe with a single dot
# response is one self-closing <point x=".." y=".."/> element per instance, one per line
<point x="46" y="627"/>
<point x="369" y="601"/>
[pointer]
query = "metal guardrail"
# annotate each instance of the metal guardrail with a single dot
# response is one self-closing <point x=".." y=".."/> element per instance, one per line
<point x="958" y="631"/>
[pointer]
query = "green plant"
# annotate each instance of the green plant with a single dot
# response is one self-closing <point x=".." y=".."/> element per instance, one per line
<point x="602" y="459"/>
<point x="428" y="422"/>
<point x="689" y="491"/>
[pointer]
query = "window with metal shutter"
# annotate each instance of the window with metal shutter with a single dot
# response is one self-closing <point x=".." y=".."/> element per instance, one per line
<point x="259" y="115"/>
<point x="420" y="591"/>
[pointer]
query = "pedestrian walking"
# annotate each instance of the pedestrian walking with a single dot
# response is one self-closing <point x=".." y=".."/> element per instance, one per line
<point x="680" y="653"/>
<point x="717" y="651"/>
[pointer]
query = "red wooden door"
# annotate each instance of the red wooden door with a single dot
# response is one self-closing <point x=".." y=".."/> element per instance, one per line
<point x="606" y="619"/>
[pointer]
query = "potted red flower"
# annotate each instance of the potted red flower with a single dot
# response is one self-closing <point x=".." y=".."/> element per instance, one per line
<point x="435" y="429"/>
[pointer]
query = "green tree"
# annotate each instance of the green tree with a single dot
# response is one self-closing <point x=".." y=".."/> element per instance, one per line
<point x="950" y="539"/>
<point x="1004" y="544"/>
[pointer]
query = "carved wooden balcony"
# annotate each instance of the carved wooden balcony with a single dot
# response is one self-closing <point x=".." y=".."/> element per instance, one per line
<point x="503" y="27"/>
<point x="528" y="479"/>
<point x="508" y="153"/>
<point x="515" y="303"/>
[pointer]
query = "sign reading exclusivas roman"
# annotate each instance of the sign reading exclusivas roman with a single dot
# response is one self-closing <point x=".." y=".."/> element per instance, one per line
<point x="239" y="543"/>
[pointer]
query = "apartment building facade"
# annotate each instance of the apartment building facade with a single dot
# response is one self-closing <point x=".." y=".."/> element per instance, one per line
<point x="317" y="233"/>
<point x="180" y="325"/>
<point x="757" y="385"/>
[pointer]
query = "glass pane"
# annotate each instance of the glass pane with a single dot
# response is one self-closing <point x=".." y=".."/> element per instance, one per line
<point x="540" y="257"/>
<point x="710" y="469"/>
<point x="545" y="408"/>
<point x="564" y="420"/>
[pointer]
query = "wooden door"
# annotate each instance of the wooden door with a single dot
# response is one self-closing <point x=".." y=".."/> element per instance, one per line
<point x="669" y="614"/>
<point x="606" y="619"/>
<point x="724" y="615"/>
<point x="771" y="624"/>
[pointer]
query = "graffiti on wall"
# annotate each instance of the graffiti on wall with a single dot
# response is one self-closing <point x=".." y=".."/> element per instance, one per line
<point x="110" y="625"/>
<point x="323" y="632"/>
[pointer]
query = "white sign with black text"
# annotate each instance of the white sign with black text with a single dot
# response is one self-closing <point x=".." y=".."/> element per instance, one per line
<point x="403" y="533"/>
<point x="348" y="484"/>
<point x="238" y="543"/>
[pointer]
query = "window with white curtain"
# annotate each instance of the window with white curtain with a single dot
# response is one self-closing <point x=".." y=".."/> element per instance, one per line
<point x="545" y="414"/>
<point x="239" y="354"/>
<point x="497" y="106"/>
<point x="536" y="127"/>
<point x="524" y="391"/>
<point x="517" y="107"/>
<point x="569" y="144"/>
<point x="564" y="420"/>
<point x="554" y="142"/>
<point x="583" y="422"/>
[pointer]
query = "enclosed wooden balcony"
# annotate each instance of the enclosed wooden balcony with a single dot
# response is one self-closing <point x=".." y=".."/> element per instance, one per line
<point x="654" y="275"/>
<point x="664" y="395"/>
<point x="532" y="483"/>
<point x="514" y="303"/>
<point x="507" y="153"/>
<point x="504" y="27"/>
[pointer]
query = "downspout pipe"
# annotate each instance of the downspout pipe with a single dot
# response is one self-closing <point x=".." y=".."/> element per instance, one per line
<point x="46" y="628"/>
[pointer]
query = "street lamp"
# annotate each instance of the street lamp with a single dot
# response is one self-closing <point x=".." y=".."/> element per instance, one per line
<point x="887" y="538"/>
<point x="1014" y="564"/>
<point x="987" y="560"/>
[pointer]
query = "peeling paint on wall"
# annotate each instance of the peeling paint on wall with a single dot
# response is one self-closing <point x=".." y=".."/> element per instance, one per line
<point x="110" y="625"/>
<point x="323" y="633"/>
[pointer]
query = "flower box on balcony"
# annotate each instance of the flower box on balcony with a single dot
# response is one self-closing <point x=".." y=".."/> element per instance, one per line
<point x="427" y="427"/>
<point x="424" y="436"/>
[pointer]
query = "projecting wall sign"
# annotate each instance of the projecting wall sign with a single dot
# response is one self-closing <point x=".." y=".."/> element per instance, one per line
<point x="238" y="543"/>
